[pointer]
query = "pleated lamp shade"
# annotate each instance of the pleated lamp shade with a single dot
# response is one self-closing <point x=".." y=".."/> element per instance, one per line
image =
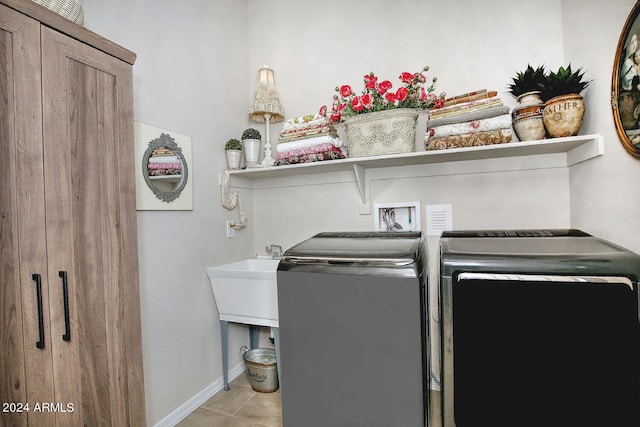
<point x="267" y="100"/>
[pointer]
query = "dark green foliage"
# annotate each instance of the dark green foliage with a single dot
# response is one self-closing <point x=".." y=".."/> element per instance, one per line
<point x="562" y="82"/>
<point x="233" y="144"/>
<point x="528" y="80"/>
<point x="251" y="134"/>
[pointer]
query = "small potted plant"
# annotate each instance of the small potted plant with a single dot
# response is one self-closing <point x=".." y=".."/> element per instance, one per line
<point x="251" y="140"/>
<point x="527" y="85"/>
<point x="564" y="106"/>
<point x="527" y="116"/>
<point x="233" y="150"/>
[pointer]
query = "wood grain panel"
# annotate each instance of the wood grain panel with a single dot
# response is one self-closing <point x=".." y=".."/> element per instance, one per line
<point x="28" y="369"/>
<point x="95" y="88"/>
<point x="67" y="204"/>
<point x="70" y="28"/>
<point x="12" y="375"/>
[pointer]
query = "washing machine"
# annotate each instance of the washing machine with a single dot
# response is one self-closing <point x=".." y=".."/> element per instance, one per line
<point x="538" y="328"/>
<point x="353" y="331"/>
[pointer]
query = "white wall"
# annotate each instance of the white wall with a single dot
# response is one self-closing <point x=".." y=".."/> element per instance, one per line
<point x="468" y="45"/>
<point x="190" y="77"/>
<point x="604" y="200"/>
<point x="196" y="71"/>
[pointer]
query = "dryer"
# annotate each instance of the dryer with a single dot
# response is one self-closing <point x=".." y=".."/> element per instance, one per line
<point x="538" y="328"/>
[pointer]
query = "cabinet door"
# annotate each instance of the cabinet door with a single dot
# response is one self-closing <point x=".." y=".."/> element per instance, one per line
<point x="25" y="347"/>
<point x="91" y="232"/>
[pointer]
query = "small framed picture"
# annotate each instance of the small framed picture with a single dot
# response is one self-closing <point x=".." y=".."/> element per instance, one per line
<point x="403" y="216"/>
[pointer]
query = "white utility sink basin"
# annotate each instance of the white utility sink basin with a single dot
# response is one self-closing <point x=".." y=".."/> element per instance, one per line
<point x="246" y="291"/>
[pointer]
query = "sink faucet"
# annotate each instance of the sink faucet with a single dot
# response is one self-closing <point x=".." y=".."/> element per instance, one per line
<point x="275" y="251"/>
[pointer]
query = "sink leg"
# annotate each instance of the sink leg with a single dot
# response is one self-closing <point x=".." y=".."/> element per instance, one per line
<point x="224" y="336"/>
<point x="276" y="340"/>
<point x="254" y="336"/>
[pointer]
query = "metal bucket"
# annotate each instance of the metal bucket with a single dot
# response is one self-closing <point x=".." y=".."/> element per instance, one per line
<point x="261" y="368"/>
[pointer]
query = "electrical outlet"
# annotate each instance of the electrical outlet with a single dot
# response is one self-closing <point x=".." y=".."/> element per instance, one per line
<point x="230" y="231"/>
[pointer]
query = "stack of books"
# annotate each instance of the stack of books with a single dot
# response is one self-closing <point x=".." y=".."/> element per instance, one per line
<point x="468" y="120"/>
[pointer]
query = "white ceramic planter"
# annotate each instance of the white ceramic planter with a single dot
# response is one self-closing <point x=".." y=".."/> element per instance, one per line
<point x="530" y="98"/>
<point x="251" y="148"/>
<point x="233" y="158"/>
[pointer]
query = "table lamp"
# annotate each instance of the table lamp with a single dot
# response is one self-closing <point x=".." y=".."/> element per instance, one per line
<point x="266" y="108"/>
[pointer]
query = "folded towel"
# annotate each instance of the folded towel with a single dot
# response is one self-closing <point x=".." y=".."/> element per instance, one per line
<point x="164" y="172"/>
<point x="308" y="150"/>
<point x="502" y="121"/>
<point x="303" y="120"/>
<point x="501" y="136"/>
<point x="471" y="96"/>
<point x="469" y="116"/>
<point x="164" y="159"/>
<point x="308" y="142"/>
<point x="465" y="107"/>
<point x="162" y="151"/>
<point x="304" y="132"/>
<point x="310" y="154"/>
<point x="164" y="166"/>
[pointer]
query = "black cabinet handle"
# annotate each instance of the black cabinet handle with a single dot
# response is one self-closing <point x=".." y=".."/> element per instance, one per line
<point x="65" y="300"/>
<point x="37" y="278"/>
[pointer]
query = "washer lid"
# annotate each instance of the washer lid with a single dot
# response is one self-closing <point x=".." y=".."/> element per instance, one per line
<point x="541" y="246"/>
<point x="564" y="252"/>
<point x="383" y="249"/>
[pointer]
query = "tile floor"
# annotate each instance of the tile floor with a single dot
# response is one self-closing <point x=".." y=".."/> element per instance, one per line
<point x="241" y="406"/>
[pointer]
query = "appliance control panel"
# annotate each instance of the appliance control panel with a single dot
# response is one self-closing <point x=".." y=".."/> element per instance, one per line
<point x="515" y="233"/>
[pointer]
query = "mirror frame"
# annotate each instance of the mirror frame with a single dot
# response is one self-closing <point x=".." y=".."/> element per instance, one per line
<point x="616" y="96"/>
<point x="167" y="141"/>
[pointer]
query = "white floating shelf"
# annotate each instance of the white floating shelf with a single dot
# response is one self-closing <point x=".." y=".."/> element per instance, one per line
<point x="575" y="149"/>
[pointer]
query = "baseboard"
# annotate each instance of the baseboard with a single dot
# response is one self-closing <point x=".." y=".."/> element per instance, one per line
<point x="192" y="404"/>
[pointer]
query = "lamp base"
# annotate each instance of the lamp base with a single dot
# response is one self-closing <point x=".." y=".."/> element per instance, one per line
<point x="268" y="159"/>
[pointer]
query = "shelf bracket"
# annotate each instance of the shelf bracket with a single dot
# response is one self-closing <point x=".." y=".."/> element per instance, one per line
<point x="361" y="181"/>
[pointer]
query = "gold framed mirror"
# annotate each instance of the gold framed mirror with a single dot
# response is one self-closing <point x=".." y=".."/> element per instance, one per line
<point x="625" y="84"/>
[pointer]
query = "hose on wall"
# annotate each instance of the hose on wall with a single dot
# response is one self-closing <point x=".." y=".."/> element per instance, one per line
<point x="232" y="201"/>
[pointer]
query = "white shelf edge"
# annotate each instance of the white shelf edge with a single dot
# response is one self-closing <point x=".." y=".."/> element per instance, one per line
<point x="589" y="150"/>
<point x="577" y="149"/>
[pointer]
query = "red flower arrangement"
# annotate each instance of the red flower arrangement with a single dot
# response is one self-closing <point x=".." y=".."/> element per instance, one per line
<point x="379" y="96"/>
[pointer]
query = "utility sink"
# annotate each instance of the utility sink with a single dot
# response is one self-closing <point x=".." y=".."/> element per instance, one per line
<point x="246" y="291"/>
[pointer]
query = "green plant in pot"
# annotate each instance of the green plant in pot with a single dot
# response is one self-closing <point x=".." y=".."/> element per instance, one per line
<point x="564" y="106"/>
<point x="251" y="140"/>
<point x="251" y="133"/>
<point x="233" y="144"/>
<point x="233" y="151"/>
<point x="526" y="118"/>
<point x="528" y="83"/>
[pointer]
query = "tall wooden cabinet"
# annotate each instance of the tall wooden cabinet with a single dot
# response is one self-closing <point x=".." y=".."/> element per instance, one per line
<point x="70" y="333"/>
